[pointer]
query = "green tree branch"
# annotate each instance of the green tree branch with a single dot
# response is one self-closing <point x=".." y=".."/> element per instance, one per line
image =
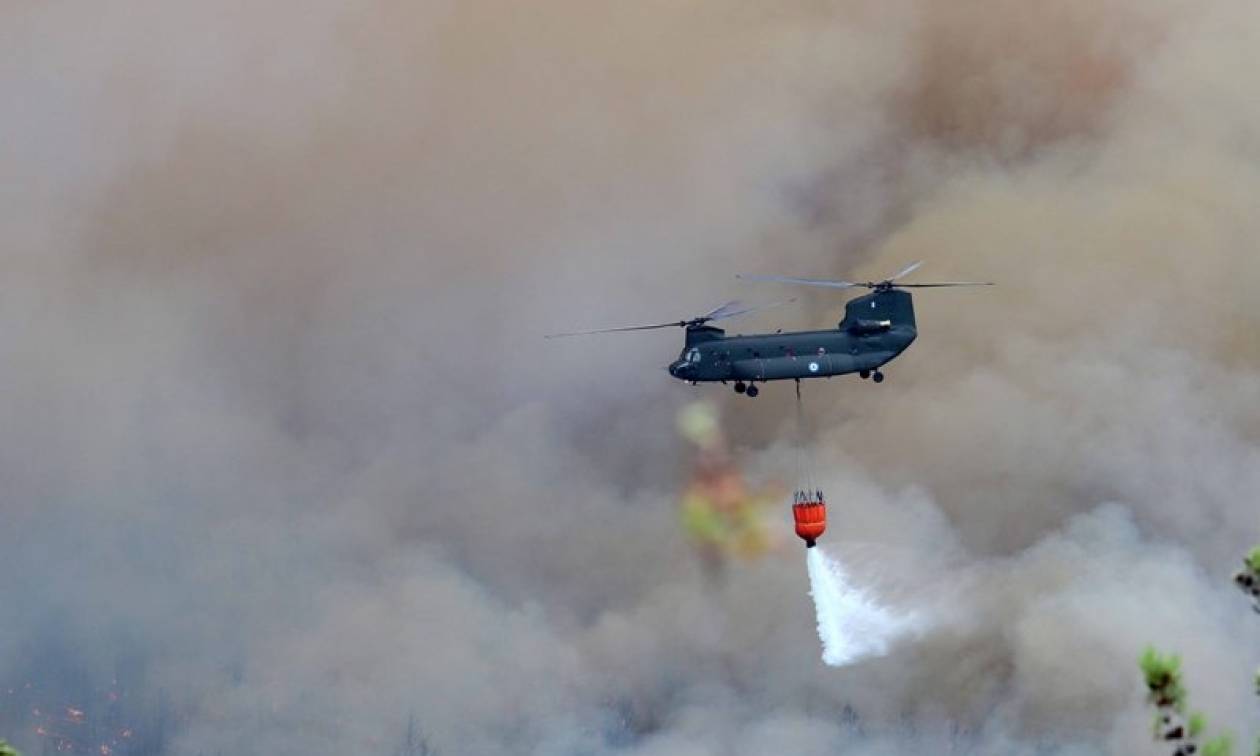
<point x="1168" y="695"/>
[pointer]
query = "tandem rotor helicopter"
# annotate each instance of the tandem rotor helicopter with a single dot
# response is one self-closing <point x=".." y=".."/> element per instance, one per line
<point x="877" y="327"/>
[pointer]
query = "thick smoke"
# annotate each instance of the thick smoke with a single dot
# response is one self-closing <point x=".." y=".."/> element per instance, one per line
<point x="287" y="462"/>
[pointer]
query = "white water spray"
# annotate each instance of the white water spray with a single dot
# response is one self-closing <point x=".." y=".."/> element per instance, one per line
<point x="851" y="625"/>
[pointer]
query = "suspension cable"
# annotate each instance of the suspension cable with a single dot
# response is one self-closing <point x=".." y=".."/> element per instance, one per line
<point x="804" y="472"/>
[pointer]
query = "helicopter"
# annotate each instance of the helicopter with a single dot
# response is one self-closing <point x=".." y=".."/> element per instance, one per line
<point x="877" y="327"/>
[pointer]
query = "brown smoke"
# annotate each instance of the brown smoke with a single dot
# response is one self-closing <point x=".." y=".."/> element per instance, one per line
<point x="279" y="422"/>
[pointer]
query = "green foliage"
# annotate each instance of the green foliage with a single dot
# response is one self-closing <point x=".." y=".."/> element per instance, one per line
<point x="1198" y="723"/>
<point x="1158" y="667"/>
<point x="7" y="750"/>
<point x="1219" y="746"/>
<point x="1253" y="560"/>
<point x="1163" y="678"/>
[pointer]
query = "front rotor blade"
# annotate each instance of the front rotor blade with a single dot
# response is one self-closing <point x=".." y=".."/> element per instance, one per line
<point x="746" y="310"/>
<point x="803" y="281"/>
<point x="721" y="312"/>
<point x="912" y="267"/>
<point x="675" y="324"/>
<point x="946" y="283"/>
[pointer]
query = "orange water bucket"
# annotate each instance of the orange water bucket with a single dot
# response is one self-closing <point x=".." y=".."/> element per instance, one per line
<point x="811" y="520"/>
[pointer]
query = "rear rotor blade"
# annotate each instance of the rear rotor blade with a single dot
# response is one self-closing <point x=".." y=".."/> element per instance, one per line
<point x="675" y="324"/>
<point x="912" y="267"/>
<point x="804" y="281"/>
<point x="945" y="283"/>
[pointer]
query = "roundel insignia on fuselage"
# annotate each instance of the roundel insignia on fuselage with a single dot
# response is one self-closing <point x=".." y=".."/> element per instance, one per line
<point x="813" y="367"/>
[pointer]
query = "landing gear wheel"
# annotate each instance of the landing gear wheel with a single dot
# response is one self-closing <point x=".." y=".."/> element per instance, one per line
<point x="740" y="387"/>
<point x="878" y="377"/>
<point x="753" y="391"/>
<point x="864" y="374"/>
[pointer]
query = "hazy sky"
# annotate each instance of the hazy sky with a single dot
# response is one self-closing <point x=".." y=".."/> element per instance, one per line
<point x="280" y="438"/>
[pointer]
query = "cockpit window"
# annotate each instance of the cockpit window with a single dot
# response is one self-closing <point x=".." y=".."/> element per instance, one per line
<point x="693" y="356"/>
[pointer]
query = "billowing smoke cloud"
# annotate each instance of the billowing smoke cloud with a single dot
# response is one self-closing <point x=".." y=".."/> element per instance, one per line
<point x="286" y="461"/>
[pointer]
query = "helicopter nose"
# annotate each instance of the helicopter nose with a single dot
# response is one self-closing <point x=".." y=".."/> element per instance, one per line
<point x="676" y="368"/>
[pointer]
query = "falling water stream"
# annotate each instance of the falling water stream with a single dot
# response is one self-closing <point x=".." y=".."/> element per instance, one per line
<point x="851" y="624"/>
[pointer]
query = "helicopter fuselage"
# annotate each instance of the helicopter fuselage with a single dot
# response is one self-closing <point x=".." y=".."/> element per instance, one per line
<point x="876" y="328"/>
<point x="782" y="356"/>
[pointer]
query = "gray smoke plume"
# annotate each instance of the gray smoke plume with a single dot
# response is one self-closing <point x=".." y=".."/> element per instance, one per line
<point x="286" y="461"/>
